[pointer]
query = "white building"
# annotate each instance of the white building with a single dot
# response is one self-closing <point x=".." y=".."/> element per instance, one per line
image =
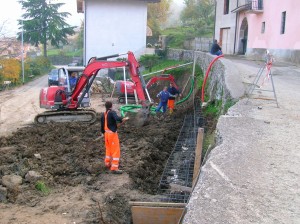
<point x="114" y="26"/>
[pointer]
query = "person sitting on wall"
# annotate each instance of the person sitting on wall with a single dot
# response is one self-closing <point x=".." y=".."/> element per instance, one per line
<point x="216" y="49"/>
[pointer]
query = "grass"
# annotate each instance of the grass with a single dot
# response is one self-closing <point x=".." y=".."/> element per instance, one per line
<point x="229" y="103"/>
<point x="162" y="64"/>
<point x="56" y="51"/>
<point x="41" y="186"/>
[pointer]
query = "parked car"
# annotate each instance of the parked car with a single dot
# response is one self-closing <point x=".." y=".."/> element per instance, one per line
<point x="53" y="77"/>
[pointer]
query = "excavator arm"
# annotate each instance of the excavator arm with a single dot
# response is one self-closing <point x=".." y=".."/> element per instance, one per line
<point x="162" y="77"/>
<point x="65" y="107"/>
<point x="90" y="72"/>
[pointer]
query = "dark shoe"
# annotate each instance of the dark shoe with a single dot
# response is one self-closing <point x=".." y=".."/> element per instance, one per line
<point x="116" y="171"/>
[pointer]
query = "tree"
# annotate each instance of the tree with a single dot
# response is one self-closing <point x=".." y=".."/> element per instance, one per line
<point x="42" y="22"/>
<point x="199" y="14"/>
<point x="5" y="42"/>
<point x="80" y="37"/>
<point x="10" y="70"/>
<point x="157" y="15"/>
<point x="149" y="60"/>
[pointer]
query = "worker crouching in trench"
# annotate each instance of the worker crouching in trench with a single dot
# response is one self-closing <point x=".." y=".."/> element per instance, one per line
<point x="109" y="121"/>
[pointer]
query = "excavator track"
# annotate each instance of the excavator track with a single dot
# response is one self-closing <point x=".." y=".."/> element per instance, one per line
<point x="85" y="116"/>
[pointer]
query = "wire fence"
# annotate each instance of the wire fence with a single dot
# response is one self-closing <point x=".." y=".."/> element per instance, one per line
<point x="176" y="182"/>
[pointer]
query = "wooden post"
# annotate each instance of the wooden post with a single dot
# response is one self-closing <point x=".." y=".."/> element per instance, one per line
<point x="198" y="154"/>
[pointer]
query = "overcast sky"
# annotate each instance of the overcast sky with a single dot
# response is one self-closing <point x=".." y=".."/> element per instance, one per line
<point x="10" y="12"/>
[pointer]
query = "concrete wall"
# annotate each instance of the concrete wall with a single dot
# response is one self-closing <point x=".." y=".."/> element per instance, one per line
<point x="223" y="83"/>
<point x="115" y="26"/>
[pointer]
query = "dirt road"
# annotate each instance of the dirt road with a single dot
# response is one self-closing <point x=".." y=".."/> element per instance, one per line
<point x="18" y="107"/>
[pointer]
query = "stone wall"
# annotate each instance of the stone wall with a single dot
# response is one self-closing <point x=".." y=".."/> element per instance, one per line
<point x="198" y="44"/>
<point x="223" y="83"/>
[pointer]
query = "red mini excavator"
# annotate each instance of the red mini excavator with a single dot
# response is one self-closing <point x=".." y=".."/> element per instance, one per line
<point x="65" y="106"/>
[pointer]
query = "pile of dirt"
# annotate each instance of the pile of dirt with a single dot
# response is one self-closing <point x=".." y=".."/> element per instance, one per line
<point x="70" y="159"/>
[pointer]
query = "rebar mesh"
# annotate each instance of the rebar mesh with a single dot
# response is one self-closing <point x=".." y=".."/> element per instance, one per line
<point x="176" y="181"/>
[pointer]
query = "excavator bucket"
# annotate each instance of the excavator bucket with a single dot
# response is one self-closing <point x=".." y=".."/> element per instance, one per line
<point x="139" y="116"/>
<point x="142" y="116"/>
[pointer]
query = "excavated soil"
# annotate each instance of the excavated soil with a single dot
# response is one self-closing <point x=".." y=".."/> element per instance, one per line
<point x="71" y="157"/>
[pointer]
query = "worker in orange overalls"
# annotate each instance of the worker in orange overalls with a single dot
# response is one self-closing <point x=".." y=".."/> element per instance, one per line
<point x="109" y="121"/>
<point x="171" y="101"/>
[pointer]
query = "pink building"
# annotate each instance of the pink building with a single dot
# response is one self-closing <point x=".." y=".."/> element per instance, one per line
<point x="251" y="26"/>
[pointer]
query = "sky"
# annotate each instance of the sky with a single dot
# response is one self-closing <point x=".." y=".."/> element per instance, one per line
<point x="11" y="11"/>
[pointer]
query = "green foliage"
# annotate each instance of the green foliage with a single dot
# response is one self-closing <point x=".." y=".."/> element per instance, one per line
<point x="80" y="37"/>
<point x="177" y="35"/>
<point x="213" y="109"/>
<point x="37" y="66"/>
<point x="199" y="15"/>
<point x="42" y="23"/>
<point x="208" y="141"/>
<point x="229" y="103"/>
<point x="149" y="60"/>
<point x="10" y="70"/>
<point x="57" y="51"/>
<point x="41" y="186"/>
<point x="162" y="64"/>
<point x="157" y="15"/>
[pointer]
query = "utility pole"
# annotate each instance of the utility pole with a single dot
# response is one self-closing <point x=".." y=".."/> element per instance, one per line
<point x="22" y="53"/>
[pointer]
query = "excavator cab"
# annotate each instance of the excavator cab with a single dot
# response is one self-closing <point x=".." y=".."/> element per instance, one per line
<point x="68" y="77"/>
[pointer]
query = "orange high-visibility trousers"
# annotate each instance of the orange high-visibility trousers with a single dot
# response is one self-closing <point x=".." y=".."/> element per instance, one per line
<point x="171" y="105"/>
<point x="112" y="152"/>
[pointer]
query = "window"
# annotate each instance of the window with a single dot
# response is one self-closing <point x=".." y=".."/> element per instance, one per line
<point x="226" y="7"/>
<point x="263" y="27"/>
<point x="283" y="18"/>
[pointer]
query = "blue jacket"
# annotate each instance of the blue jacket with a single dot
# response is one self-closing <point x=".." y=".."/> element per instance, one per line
<point x="164" y="96"/>
<point x="72" y="81"/>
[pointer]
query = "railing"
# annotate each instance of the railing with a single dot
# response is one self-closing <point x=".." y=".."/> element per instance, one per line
<point x="249" y="5"/>
<point x="256" y="4"/>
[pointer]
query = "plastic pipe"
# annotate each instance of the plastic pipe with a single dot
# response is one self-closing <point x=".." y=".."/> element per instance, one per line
<point x="206" y="76"/>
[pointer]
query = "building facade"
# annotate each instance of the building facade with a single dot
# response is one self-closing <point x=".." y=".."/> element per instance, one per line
<point x="251" y="27"/>
<point x="114" y="26"/>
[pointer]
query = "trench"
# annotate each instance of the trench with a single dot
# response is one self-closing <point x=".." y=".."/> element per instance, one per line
<point x="178" y="172"/>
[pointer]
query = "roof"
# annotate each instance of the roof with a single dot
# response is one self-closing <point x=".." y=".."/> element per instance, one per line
<point x="80" y="4"/>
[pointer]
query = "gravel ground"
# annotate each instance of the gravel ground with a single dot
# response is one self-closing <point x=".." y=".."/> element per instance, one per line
<point x="253" y="174"/>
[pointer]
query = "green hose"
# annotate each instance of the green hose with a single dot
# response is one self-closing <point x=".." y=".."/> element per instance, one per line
<point x="133" y="107"/>
<point x="189" y="94"/>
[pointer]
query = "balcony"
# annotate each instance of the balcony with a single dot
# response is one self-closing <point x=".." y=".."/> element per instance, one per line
<point x="249" y="6"/>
